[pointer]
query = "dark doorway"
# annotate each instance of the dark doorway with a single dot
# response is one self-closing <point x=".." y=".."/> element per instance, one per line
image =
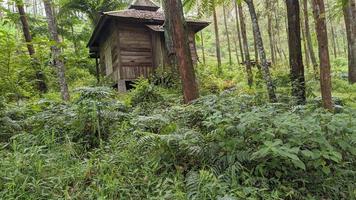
<point x="129" y="85"/>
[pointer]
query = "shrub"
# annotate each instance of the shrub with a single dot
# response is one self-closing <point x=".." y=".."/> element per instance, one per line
<point x="144" y="92"/>
<point x="225" y="146"/>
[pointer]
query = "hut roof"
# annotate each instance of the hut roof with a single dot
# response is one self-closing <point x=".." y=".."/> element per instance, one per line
<point x="144" y="5"/>
<point x="141" y="12"/>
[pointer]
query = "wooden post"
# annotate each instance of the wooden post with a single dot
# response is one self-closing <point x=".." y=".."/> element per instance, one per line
<point x="97" y="69"/>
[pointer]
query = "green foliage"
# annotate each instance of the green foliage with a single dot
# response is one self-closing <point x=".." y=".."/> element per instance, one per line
<point x="219" y="147"/>
<point x="92" y="8"/>
<point x="9" y="123"/>
<point x="228" y="144"/>
<point x="144" y="92"/>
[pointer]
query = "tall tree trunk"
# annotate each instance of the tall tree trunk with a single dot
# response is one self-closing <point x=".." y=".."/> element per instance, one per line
<point x="56" y="51"/>
<point x="345" y="45"/>
<point x="176" y="26"/>
<point x="202" y="46"/>
<point x="309" y="39"/>
<point x="270" y="29"/>
<point x="295" y="51"/>
<point x="265" y="67"/>
<point x="245" y="45"/>
<point x="322" y="35"/>
<point x="350" y="23"/>
<point x="40" y="78"/>
<point x="278" y="48"/>
<point x="74" y="39"/>
<point x="172" y="58"/>
<point x="255" y="48"/>
<point x="238" y="32"/>
<point x="304" y="40"/>
<point x="227" y="37"/>
<point x="333" y="41"/>
<point x="217" y="41"/>
<point x="332" y="31"/>
<point x="234" y="40"/>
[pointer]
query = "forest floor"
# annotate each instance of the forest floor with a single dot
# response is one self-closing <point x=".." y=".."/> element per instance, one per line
<point x="146" y="144"/>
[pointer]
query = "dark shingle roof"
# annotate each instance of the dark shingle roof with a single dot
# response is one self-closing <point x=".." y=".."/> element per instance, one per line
<point x="138" y="16"/>
<point x="144" y="5"/>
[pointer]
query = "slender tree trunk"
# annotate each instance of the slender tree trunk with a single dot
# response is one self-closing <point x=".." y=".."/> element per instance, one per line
<point x="176" y="26"/>
<point x="40" y="78"/>
<point x="295" y="51"/>
<point x="322" y="35"/>
<point x="304" y="40"/>
<point x="75" y="45"/>
<point x="333" y="39"/>
<point x="337" y="42"/>
<point x="255" y="48"/>
<point x="350" y="18"/>
<point x="238" y="32"/>
<point x="227" y="36"/>
<point x="245" y="46"/>
<point x="265" y="67"/>
<point x="234" y="40"/>
<point x="56" y="51"/>
<point x="309" y="39"/>
<point x="279" y="48"/>
<point x="202" y="45"/>
<point x="332" y="32"/>
<point x="217" y="41"/>
<point x="270" y="29"/>
<point x="345" y="44"/>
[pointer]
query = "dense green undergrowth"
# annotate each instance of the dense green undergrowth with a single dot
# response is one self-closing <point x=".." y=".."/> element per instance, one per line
<point x="147" y="145"/>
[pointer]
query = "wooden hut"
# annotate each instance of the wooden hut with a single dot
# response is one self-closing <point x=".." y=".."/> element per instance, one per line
<point x="130" y="43"/>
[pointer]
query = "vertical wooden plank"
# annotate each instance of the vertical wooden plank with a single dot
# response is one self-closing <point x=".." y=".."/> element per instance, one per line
<point x="119" y="64"/>
<point x="121" y="86"/>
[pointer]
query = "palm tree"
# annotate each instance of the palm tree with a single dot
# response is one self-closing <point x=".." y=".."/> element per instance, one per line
<point x="93" y="8"/>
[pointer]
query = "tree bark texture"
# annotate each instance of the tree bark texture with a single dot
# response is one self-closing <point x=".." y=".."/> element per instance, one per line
<point x="217" y="41"/>
<point x="238" y="32"/>
<point x="56" y="51"/>
<point x="245" y="46"/>
<point x="350" y="23"/>
<point x="40" y="78"/>
<point x="304" y="40"/>
<point x="322" y="36"/>
<point x="175" y="25"/>
<point x="227" y="36"/>
<point x="309" y="39"/>
<point x="295" y="51"/>
<point x="332" y="31"/>
<point x="265" y="67"/>
<point x="270" y="30"/>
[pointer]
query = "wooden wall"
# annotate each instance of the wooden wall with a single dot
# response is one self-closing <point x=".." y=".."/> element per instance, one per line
<point x="109" y="48"/>
<point x="135" y="52"/>
<point x="129" y="51"/>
